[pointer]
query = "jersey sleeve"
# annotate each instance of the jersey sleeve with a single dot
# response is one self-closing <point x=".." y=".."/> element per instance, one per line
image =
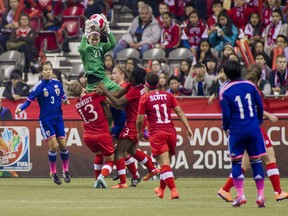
<point x="141" y="107"/>
<point x="132" y="94"/>
<point x="225" y="112"/>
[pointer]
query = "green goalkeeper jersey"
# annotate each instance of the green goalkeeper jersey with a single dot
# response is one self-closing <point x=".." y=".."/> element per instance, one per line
<point x="93" y="56"/>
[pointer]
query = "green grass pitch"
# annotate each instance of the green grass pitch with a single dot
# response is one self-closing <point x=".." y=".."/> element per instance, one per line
<point x="40" y="197"/>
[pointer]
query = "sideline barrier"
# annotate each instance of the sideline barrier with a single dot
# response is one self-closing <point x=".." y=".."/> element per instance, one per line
<point x="205" y="156"/>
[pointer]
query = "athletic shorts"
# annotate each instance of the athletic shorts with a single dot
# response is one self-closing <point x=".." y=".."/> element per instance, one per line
<point x="252" y="141"/>
<point x="162" y="142"/>
<point x="99" y="143"/>
<point x="51" y="128"/>
<point x="109" y="84"/>
<point x="266" y="138"/>
<point x="129" y="132"/>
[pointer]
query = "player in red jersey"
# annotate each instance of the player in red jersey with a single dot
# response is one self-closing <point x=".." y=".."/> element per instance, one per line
<point x="97" y="136"/>
<point x="128" y="137"/>
<point x="157" y="105"/>
<point x="254" y="73"/>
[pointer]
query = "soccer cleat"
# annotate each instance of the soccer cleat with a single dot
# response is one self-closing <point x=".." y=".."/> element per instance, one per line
<point x="149" y="175"/>
<point x="239" y="201"/>
<point x="119" y="186"/>
<point x="55" y="178"/>
<point x="100" y="183"/>
<point x="66" y="177"/>
<point x="159" y="192"/>
<point x="260" y="202"/>
<point x="174" y="194"/>
<point x="134" y="182"/>
<point x="281" y="196"/>
<point x="116" y="177"/>
<point x="225" y="195"/>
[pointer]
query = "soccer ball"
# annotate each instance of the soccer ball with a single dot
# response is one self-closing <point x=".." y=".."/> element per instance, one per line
<point x="98" y="22"/>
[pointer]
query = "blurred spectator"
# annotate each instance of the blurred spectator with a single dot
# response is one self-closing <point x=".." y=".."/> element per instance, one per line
<point x="82" y="79"/>
<point x="131" y="63"/>
<point x="223" y="33"/>
<point x="266" y="70"/>
<point x="269" y="6"/>
<point x="227" y="50"/>
<point x="204" y="51"/>
<point x="281" y="42"/>
<point x="109" y="62"/>
<point x="217" y="83"/>
<point x="175" y="87"/>
<point x="275" y="28"/>
<point x="185" y="66"/>
<point x="162" y="8"/>
<point x="188" y="9"/>
<point x="143" y="33"/>
<point x="200" y="7"/>
<point x="195" y="30"/>
<point x="132" y="4"/>
<point x="16" y="88"/>
<point x="253" y="30"/>
<point x="59" y="76"/>
<point x="8" y="23"/>
<point x="5" y="113"/>
<point x="239" y="14"/>
<point x="93" y="7"/>
<point x="22" y="39"/>
<point x="211" y="65"/>
<point x="163" y="82"/>
<point x="156" y="67"/>
<point x="200" y="83"/>
<point x="254" y="75"/>
<point x="258" y="47"/>
<point x="217" y="8"/>
<point x="170" y="34"/>
<point x="279" y="77"/>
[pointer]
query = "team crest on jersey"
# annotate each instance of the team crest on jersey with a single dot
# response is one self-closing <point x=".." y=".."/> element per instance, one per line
<point x="57" y="90"/>
<point x="45" y="92"/>
<point x="47" y="133"/>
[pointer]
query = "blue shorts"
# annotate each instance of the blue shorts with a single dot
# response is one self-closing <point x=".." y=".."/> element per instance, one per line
<point x="252" y="141"/>
<point x="51" y="128"/>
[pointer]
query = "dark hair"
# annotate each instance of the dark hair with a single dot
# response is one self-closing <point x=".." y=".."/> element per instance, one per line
<point x="257" y="28"/>
<point x="139" y="75"/>
<point x="282" y="36"/>
<point x="278" y="10"/>
<point x="232" y="69"/>
<point x="45" y="63"/>
<point x="259" y="54"/>
<point x="228" y="29"/>
<point x="198" y="65"/>
<point x="216" y="2"/>
<point x="152" y="79"/>
<point x="58" y="74"/>
<point x="173" y="77"/>
<point x="168" y="13"/>
<point x="15" y="74"/>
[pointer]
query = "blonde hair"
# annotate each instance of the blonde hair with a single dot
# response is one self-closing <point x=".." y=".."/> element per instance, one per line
<point x="74" y="88"/>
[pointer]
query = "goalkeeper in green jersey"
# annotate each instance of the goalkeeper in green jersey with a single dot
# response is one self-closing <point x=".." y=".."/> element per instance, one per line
<point x="92" y="53"/>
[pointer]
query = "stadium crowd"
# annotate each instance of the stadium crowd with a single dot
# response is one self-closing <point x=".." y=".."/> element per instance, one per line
<point x="210" y="34"/>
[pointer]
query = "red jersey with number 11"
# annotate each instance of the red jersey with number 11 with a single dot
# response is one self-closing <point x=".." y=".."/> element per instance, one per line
<point x="157" y="106"/>
<point x="90" y="109"/>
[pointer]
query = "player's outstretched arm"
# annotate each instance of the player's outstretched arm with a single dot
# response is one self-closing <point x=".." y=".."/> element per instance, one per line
<point x="184" y="120"/>
<point x="270" y="116"/>
<point x="117" y="102"/>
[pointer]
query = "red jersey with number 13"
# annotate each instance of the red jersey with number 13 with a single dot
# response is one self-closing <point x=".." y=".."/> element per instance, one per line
<point x="90" y="109"/>
<point x="157" y="106"/>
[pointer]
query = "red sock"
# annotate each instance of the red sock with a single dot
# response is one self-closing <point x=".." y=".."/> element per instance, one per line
<point x="167" y="176"/>
<point x="98" y="164"/>
<point x="144" y="159"/>
<point x="130" y="164"/>
<point x="107" y="168"/>
<point x="274" y="176"/>
<point x="162" y="182"/>
<point x="121" y="170"/>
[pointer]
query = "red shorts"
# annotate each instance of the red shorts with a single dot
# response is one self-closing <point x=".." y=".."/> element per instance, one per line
<point x="162" y="142"/>
<point x="99" y="142"/>
<point x="267" y="140"/>
<point x="129" y="132"/>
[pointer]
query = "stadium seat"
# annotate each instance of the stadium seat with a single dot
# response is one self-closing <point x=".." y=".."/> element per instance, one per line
<point x="49" y="41"/>
<point x="5" y="69"/>
<point x="127" y="53"/>
<point x="179" y="54"/>
<point x="72" y="25"/>
<point x="36" y="23"/>
<point x="165" y="67"/>
<point x="13" y="57"/>
<point x="151" y="54"/>
<point x="75" y="71"/>
<point x="76" y="11"/>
